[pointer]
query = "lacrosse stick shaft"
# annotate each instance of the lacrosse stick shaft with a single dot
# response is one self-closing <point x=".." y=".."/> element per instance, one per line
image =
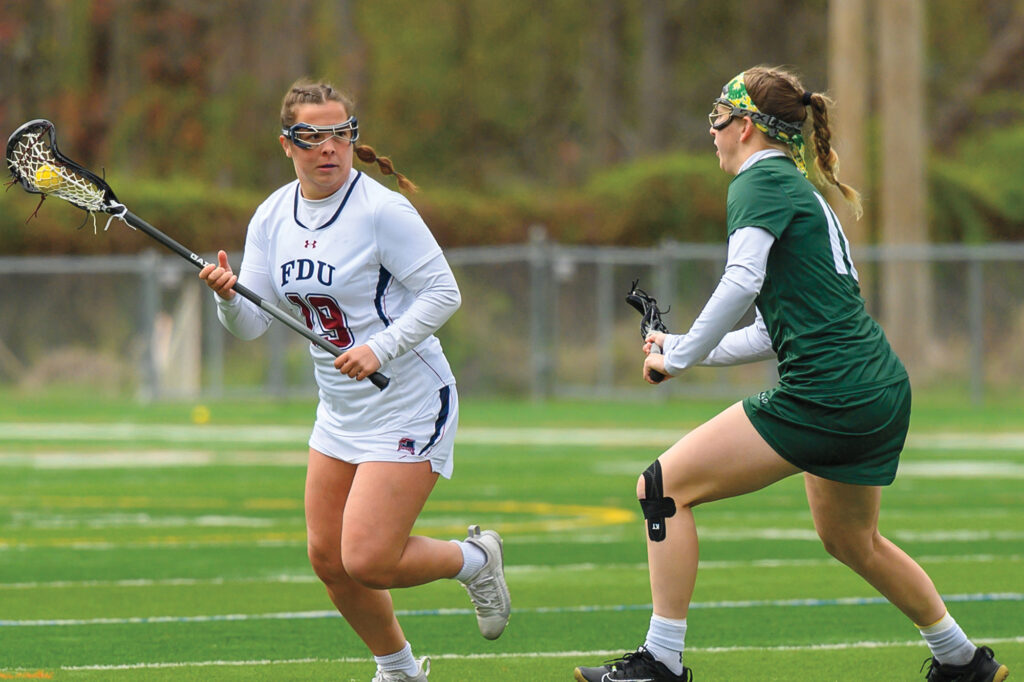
<point x="378" y="379"/>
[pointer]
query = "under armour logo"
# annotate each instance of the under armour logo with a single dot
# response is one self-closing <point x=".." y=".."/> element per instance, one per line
<point x="310" y="244"/>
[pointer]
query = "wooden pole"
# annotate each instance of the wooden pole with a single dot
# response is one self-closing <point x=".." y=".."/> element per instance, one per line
<point x="849" y="85"/>
<point x="906" y="290"/>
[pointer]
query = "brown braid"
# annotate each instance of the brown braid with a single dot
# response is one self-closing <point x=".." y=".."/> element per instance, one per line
<point x="778" y="92"/>
<point x="366" y="154"/>
<point x="825" y="158"/>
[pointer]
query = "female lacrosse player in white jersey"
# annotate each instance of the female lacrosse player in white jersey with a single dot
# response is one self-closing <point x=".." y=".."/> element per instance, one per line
<point x="840" y="412"/>
<point x="357" y="263"/>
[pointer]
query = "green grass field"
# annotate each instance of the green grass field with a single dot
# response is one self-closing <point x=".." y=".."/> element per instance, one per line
<point x="136" y="544"/>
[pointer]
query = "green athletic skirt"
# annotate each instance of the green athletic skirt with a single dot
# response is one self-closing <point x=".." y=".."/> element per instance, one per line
<point x="852" y="438"/>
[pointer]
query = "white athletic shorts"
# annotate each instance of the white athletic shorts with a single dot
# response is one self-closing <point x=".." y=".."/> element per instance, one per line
<point x="427" y="435"/>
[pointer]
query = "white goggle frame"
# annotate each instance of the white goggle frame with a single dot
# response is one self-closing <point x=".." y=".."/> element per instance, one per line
<point x="308" y="136"/>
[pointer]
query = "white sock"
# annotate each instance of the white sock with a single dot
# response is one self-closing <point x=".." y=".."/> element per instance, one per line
<point x="948" y="642"/>
<point x="665" y="642"/>
<point x="473" y="559"/>
<point x="400" y="660"/>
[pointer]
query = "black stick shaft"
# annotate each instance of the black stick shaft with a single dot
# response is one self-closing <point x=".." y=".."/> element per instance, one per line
<point x="378" y="379"/>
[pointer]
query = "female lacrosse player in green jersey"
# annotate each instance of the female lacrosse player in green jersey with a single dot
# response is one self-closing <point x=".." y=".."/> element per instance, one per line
<point x="839" y="413"/>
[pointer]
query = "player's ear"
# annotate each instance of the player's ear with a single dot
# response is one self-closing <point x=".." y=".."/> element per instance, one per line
<point x="748" y="129"/>
<point x="285" y="145"/>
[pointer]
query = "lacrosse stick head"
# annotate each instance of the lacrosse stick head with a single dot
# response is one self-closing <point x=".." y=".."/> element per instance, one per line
<point x="38" y="166"/>
<point x="650" y="315"/>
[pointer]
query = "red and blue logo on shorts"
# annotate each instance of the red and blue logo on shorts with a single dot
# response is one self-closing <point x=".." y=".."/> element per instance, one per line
<point x="407" y="445"/>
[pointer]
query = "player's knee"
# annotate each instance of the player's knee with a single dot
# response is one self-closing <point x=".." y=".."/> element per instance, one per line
<point x="850" y="548"/>
<point x="326" y="562"/>
<point x="841" y="551"/>
<point x="650" y="490"/>
<point x="371" y="571"/>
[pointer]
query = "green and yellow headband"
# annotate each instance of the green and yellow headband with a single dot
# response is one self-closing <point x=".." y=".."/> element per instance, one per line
<point x="735" y="94"/>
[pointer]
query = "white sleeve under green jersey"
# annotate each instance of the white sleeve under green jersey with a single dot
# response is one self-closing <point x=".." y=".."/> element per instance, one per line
<point x="810" y="300"/>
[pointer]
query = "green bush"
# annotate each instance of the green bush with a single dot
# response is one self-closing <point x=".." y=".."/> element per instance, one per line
<point x="975" y="196"/>
<point x="200" y="216"/>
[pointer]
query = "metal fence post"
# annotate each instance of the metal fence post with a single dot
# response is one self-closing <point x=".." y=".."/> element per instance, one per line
<point x="540" y="348"/>
<point x="149" y="304"/>
<point x="976" y="322"/>
<point x="276" y="348"/>
<point x="213" y="357"/>
<point x="605" y="332"/>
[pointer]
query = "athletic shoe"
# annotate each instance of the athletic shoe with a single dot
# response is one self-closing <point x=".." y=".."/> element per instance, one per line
<point x="639" y="666"/>
<point x="487" y="588"/>
<point x="399" y="676"/>
<point x="982" y="668"/>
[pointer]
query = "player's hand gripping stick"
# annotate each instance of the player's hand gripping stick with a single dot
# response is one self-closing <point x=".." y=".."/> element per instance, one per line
<point x="650" y="320"/>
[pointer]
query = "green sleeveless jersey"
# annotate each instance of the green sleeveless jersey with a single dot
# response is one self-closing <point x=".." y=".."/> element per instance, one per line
<point x="826" y="342"/>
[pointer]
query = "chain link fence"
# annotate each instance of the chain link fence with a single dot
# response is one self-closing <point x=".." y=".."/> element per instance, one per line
<point x="538" y="319"/>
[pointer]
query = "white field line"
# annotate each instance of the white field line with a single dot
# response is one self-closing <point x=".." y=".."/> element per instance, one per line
<point x="409" y="613"/>
<point x="595" y="654"/>
<point x="513" y="570"/>
<point x="719" y="535"/>
<point x="292" y="436"/>
<point x="144" y="459"/>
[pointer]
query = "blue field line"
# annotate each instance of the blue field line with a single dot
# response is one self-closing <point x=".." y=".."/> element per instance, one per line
<point x="314" y="615"/>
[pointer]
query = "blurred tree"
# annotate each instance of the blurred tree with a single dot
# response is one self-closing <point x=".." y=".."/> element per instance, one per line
<point x="907" y="288"/>
<point x="531" y="97"/>
<point x="658" y="55"/>
<point x="606" y="86"/>
<point x="849" y="77"/>
<point x="995" y="70"/>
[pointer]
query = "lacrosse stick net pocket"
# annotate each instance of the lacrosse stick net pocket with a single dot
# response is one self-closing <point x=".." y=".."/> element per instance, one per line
<point x="37" y="164"/>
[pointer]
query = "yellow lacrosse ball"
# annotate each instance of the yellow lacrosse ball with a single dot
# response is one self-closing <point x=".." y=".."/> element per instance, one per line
<point x="200" y="414"/>
<point x="48" y="178"/>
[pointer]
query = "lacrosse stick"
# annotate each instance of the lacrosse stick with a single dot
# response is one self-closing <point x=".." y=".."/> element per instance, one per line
<point x="650" y="320"/>
<point x="40" y="168"/>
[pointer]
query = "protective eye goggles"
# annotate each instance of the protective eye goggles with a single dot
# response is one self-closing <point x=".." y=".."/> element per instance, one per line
<point x="308" y="136"/>
<point x="722" y="113"/>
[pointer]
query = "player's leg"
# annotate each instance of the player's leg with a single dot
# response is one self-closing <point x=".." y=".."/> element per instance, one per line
<point x="846" y="519"/>
<point x="368" y="611"/>
<point x="334" y="490"/>
<point x="722" y="458"/>
<point x="377" y="550"/>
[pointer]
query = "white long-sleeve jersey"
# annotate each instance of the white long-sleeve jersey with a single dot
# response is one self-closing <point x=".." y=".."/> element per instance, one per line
<point x="359" y="267"/>
<point x="709" y="341"/>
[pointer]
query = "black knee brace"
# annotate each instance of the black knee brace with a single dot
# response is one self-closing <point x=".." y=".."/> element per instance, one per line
<point x="656" y="506"/>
